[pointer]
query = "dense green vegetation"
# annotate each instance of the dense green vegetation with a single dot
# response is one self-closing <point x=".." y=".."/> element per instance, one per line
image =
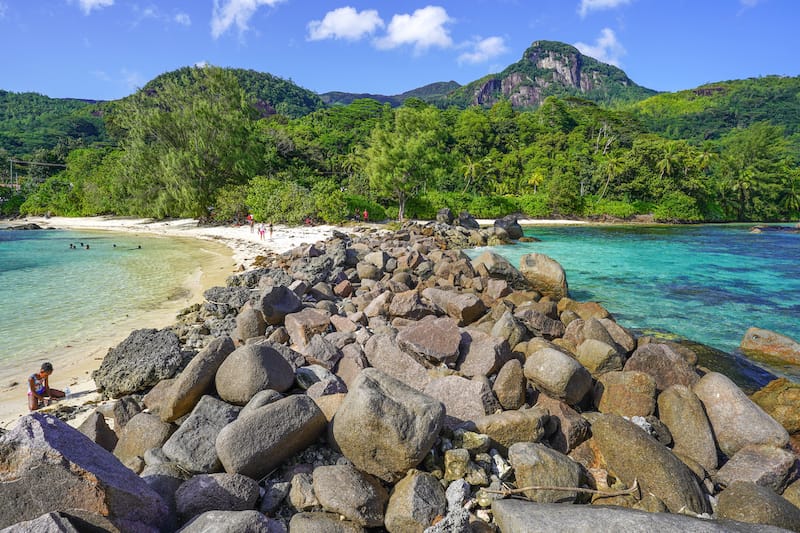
<point x="199" y="142"/>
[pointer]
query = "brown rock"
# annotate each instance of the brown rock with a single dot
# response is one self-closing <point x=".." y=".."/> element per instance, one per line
<point x="665" y="365"/>
<point x="509" y="427"/>
<point x="465" y="308"/>
<point x="544" y="275"/>
<point x="463" y="399"/>
<point x="510" y="385"/>
<point x="482" y="354"/>
<point x="305" y="324"/>
<point x="625" y="394"/>
<point x="780" y="399"/>
<point x="434" y="339"/>
<point x="570" y="429"/>
<point x="682" y="412"/>
<point x="762" y="344"/>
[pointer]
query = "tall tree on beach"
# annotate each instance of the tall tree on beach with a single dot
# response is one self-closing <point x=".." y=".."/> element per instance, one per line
<point x="185" y="139"/>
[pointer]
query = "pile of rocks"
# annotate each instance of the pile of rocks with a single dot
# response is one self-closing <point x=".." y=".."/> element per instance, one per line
<point x="387" y="380"/>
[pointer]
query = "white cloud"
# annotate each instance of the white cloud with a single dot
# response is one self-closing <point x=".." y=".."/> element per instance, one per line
<point x="606" y="48"/>
<point x="345" y="23"/>
<point x="424" y="28"/>
<point x="88" y="5"/>
<point x="749" y="3"/>
<point x="3" y="9"/>
<point x="201" y="64"/>
<point x="183" y="19"/>
<point x="229" y="12"/>
<point x="598" y="5"/>
<point x="483" y="50"/>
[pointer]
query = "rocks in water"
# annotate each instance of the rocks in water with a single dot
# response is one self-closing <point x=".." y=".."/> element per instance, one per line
<point x="42" y="451"/>
<point x="385" y="427"/>
<point x="142" y="360"/>
<point x="633" y="454"/>
<point x="779" y="399"/>
<point x="255" y="444"/>
<point x="250" y="369"/>
<point x="751" y="503"/>
<point x="510" y="225"/>
<point x="768" y="346"/>
<point x="735" y="419"/>
<point x="545" y="275"/>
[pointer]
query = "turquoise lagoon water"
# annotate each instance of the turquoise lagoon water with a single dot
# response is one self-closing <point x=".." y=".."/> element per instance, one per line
<point x="707" y="283"/>
<point x="53" y="297"/>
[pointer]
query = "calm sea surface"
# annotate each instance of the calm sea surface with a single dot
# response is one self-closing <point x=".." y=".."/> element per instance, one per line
<point x="707" y="283"/>
<point x="51" y="295"/>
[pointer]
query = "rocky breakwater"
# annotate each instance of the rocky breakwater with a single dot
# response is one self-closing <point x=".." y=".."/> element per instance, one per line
<point x="386" y="380"/>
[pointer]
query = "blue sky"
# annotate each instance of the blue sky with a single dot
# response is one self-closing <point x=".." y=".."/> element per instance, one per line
<point x="105" y="49"/>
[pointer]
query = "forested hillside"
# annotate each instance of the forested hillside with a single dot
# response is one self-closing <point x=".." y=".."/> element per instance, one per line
<point x="221" y="143"/>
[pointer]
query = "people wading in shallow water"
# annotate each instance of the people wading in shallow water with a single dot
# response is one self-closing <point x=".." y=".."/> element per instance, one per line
<point x="39" y="391"/>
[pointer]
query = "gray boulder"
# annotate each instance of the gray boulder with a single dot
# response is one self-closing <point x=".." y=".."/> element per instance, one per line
<point x="96" y="428"/>
<point x="357" y="496"/>
<point x="666" y="366"/>
<point x="255" y="444"/>
<point x="445" y="216"/>
<point x="466" y="308"/>
<point x="165" y="479"/>
<point x="751" y="503"/>
<point x="409" y="304"/>
<point x="765" y="466"/>
<point x="215" y="492"/>
<point x="415" y="502"/>
<point x="142" y="360"/>
<point x="682" y="412"/>
<point x="633" y="454"/>
<point x="434" y="339"/>
<point x="384" y="426"/>
<point x="510" y="328"/>
<point x="42" y="451"/>
<point x="250" y="369"/>
<point x="539" y="324"/>
<point x="537" y="465"/>
<point x="223" y="301"/>
<point x="192" y="445"/>
<point x="482" y="354"/>
<point x="517" y="516"/>
<point x="510" y="225"/>
<point x="569" y="428"/>
<point x="510" y="385"/>
<point x="558" y="375"/>
<point x="249" y="323"/>
<point x="233" y="522"/>
<point x="498" y="267"/>
<point x="322" y="523"/>
<point x="544" y="275"/>
<point x="320" y="351"/>
<point x="305" y="324"/>
<point x="465" y="220"/>
<point x="142" y="432"/>
<point x="276" y="302"/>
<point x="383" y="353"/>
<point x="599" y="357"/>
<point x="735" y="419"/>
<point x="509" y="427"/>
<point x="195" y="380"/>
<point x="463" y="399"/>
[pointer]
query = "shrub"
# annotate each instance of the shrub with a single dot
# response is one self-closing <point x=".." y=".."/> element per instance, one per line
<point x="614" y="208"/>
<point x="279" y="200"/>
<point x="534" y="205"/>
<point x="231" y="204"/>
<point x="677" y="207"/>
<point x="330" y="202"/>
<point x="357" y="203"/>
<point x="492" y="206"/>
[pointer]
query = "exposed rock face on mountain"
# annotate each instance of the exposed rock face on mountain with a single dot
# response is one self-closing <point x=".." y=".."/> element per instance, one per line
<point x="549" y="68"/>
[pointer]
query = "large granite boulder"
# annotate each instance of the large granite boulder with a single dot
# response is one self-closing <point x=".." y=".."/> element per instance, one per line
<point x="384" y="354"/>
<point x="255" y="444"/>
<point x="146" y="357"/>
<point x="765" y="466"/>
<point x="96" y="428"/>
<point x="509" y="427"/>
<point x="75" y="475"/>
<point x="498" y="267"/>
<point x="463" y="399"/>
<point x="539" y="324"/>
<point x="748" y="502"/>
<point x="250" y="369"/>
<point x="779" y="399"/>
<point x="233" y="522"/>
<point x="192" y="444"/>
<point x="415" y="502"/>
<point x="537" y="465"/>
<point x="215" y="492"/>
<point x="305" y="324"/>
<point x="632" y="454"/>
<point x="465" y="308"/>
<point x="768" y="346"/>
<point x="276" y="302"/>
<point x="682" y="412"/>
<point x="569" y="428"/>
<point x="434" y="339"/>
<point x="510" y="385"/>
<point x="195" y="380"/>
<point x="384" y="426"/>
<point x="142" y="432"/>
<point x="735" y="419"/>
<point x="357" y="496"/>
<point x="249" y="323"/>
<point x="544" y="274"/>
<point x="510" y="225"/>
<point x="517" y="516"/>
<point x="625" y="394"/>
<point x="482" y="354"/>
<point x="318" y="522"/>
<point x="665" y="364"/>
<point x="558" y="375"/>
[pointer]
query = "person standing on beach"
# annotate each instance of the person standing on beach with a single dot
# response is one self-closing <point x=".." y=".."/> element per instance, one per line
<point x="252" y="222"/>
<point x="366" y="215"/>
<point x="39" y="388"/>
<point x="270" y="230"/>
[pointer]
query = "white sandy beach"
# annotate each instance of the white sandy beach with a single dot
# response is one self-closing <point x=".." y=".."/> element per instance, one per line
<point x="75" y="365"/>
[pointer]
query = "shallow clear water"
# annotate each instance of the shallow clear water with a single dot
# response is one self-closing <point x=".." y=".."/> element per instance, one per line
<point x="53" y="295"/>
<point x="707" y="283"/>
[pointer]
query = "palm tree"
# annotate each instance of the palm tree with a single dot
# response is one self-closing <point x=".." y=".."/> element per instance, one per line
<point x="611" y="167"/>
<point x="670" y="159"/>
<point x="791" y="199"/>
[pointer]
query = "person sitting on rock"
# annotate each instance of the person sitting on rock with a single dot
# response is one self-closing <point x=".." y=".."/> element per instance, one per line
<point x="39" y="388"/>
